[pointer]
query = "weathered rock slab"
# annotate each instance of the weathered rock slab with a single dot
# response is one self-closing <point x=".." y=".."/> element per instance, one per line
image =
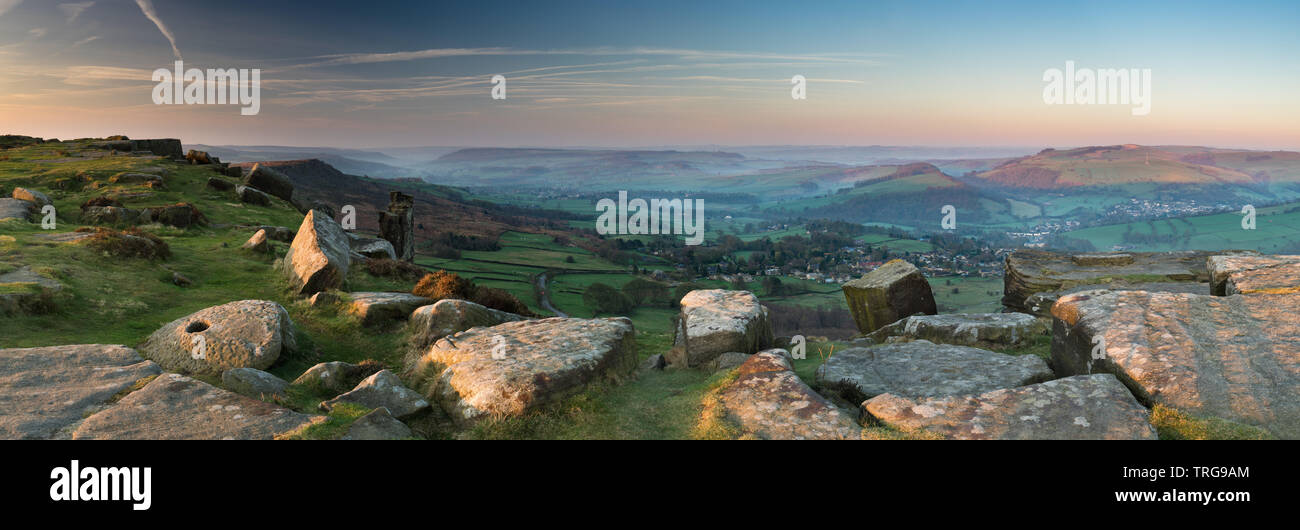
<point x="243" y="334"/>
<point x="383" y="389"/>
<point x="1234" y="357"/>
<point x="432" y="322"/>
<point x="378" y="424"/>
<point x="16" y="209"/>
<point x="374" y="308"/>
<point x="319" y="257"/>
<point x="768" y="401"/>
<point x="45" y="390"/>
<point x="891" y="292"/>
<point x="1248" y="274"/>
<point x="969" y="329"/>
<point x="176" y="407"/>
<point x="253" y="383"/>
<point x="925" y="369"/>
<point x="515" y="367"/>
<point x="1092" y="407"/>
<point x="716" y="321"/>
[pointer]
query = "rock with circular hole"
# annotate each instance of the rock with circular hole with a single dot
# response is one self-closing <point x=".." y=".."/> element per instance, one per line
<point x="716" y="321"/>
<point x="319" y="257"/>
<point x="1091" y="407"/>
<point x="243" y="334"/>
<point x="383" y="389"/>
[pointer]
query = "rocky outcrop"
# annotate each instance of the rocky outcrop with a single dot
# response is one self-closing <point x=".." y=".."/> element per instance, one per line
<point x="383" y="389"/>
<point x="1234" y="357"/>
<point x="969" y="329"/>
<point x="166" y="147"/>
<point x="200" y="157"/>
<point x="35" y="197"/>
<point x="716" y="321"/>
<point x="175" y="407"/>
<point x="1095" y="407"/>
<point x="1037" y="271"/>
<point x="768" y="401"/>
<point x="252" y="195"/>
<point x="432" y="322"/>
<point x="371" y="247"/>
<point x="513" y="368"/>
<point x="373" y="309"/>
<point x="46" y="390"/>
<point x="109" y="215"/>
<point x="318" y="259"/>
<point x="253" y="383"/>
<point x="1248" y="274"/>
<point x="924" y="369"/>
<point x="243" y="334"/>
<point x="397" y="224"/>
<point x="891" y="292"/>
<point x="270" y="181"/>
<point x="378" y="424"/>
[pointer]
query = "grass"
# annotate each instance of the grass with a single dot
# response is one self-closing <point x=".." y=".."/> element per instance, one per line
<point x="1172" y="424"/>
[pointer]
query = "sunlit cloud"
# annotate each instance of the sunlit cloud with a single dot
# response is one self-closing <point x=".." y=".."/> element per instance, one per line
<point x="146" y="6"/>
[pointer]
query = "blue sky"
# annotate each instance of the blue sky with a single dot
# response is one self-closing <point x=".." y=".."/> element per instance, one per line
<point x="654" y="73"/>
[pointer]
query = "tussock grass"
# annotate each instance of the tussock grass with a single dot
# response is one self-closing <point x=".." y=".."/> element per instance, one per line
<point x="1172" y="424"/>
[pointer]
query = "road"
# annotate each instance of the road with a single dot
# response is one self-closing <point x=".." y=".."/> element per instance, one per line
<point x="545" y="300"/>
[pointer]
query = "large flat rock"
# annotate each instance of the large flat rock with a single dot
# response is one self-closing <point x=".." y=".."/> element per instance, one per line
<point x="925" y="369"/>
<point x="175" y="407"/>
<point x="1234" y="357"/>
<point x="432" y="322"/>
<point x="969" y="329"/>
<point x="716" y="321"/>
<point x="1247" y="274"/>
<point x="513" y="368"/>
<point x="1091" y="407"/>
<point x="891" y="292"/>
<point x="44" y="390"/>
<point x="1036" y="271"/>
<point x="768" y="401"/>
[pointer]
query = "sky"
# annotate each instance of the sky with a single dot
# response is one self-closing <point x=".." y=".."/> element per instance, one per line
<point x="639" y="74"/>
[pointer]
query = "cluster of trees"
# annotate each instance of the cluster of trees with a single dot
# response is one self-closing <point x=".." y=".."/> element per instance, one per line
<point x="639" y="292"/>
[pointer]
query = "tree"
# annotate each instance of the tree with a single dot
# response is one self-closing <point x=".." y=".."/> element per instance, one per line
<point x="641" y="291"/>
<point x="601" y="298"/>
<point x="772" y="286"/>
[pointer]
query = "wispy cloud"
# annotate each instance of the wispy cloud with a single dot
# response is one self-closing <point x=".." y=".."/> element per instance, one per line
<point x="74" y="10"/>
<point x="146" y="6"/>
<point x="6" y="5"/>
<point x="37" y="33"/>
<point x="86" y="40"/>
<point x="435" y="53"/>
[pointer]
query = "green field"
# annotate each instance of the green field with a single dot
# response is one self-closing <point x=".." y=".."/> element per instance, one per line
<point x="1275" y="231"/>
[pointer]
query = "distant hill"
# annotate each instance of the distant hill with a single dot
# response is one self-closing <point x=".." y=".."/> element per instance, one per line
<point x="351" y="161"/>
<point x="1130" y="164"/>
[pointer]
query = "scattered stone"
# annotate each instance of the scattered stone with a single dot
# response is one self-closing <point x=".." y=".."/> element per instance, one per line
<point x="26" y="292"/>
<point x="924" y="369"/>
<point x="333" y="376"/>
<point x="768" y="401"/>
<point x="252" y="195"/>
<point x="513" y="368"/>
<point x="716" y="321"/>
<point x="181" y="280"/>
<point x="318" y="258"/>
<point x="220" y="184"/>
<point x="15" y="209"/>
<point x="378" y="424"/>
<point x="198" y="157"/>
<point x="1094" y="407"/>
<point x="397" y="224"/>
<point x="179" y="215"/>
<point x="727" y="361"/>
<point x="1246" y="274"/>
<point x="277" y="233"/>
<point x="32" y="196"/>
<point x="1033" y="271"/>
<point x="257" y="243"/>
<point x="653" y="362"/>
<point x="253" y="383"/>
<point x="372" y="247"/>
<point x="891" y="292"/>
<point x="109" y="215"/>
<point x="243" y="334"/>
<point x="175" y="407"/>
<point x="46" y="390"/>
<point x="432" y="322"/>
<point x="1232" y="357"/>
<point x="144" y="179"/>
<point x="969" y="329"/>
<point x="376" y="308"/>
<point x="270" y="181"/>
<point x="383" y="389"/>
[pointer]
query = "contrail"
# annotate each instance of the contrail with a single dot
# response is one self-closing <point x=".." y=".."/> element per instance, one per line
<point x="146" y="6"/>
